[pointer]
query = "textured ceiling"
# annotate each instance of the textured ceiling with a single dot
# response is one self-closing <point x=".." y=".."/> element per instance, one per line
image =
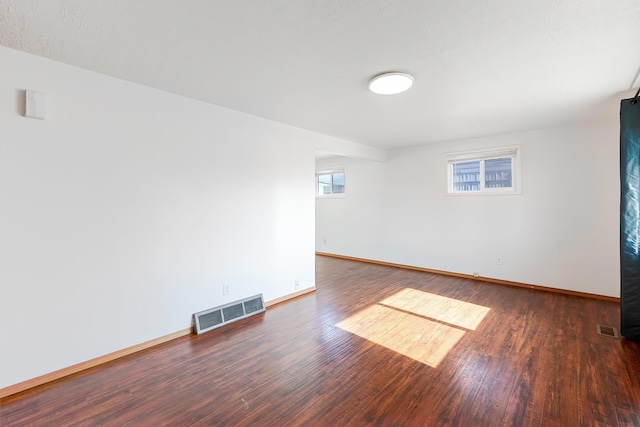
<point x="481" y="67"/>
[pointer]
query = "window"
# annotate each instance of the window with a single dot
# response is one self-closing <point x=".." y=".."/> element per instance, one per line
<point x="495" y="171"/>
<point x="330" y="183"/>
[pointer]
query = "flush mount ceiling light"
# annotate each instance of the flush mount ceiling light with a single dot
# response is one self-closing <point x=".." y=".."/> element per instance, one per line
<point x="390" y="83"/>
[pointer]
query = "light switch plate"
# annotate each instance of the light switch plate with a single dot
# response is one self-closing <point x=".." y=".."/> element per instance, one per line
<point x="35" y="104"/>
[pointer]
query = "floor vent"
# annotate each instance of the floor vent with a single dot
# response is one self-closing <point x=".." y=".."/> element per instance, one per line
<point x="608" y="331"/>
<point x="218" y="316"/>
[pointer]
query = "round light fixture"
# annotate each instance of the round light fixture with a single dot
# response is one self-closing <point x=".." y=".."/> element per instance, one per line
<point x="390" y="83"/>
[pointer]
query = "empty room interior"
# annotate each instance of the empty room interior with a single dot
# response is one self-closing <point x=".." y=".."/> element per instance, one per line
<point x="417" y="207"/>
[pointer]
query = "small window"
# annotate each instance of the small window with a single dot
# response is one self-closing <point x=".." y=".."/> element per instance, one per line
<point x="330" y="183"/>
<point x="484" y="172"/>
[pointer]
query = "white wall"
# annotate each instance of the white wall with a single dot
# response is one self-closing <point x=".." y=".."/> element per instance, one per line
<point x="126" y="210"/>
<point x="561" y="232"/>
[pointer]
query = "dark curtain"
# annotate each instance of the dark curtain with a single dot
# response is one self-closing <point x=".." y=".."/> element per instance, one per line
<point x="630" y="218"/>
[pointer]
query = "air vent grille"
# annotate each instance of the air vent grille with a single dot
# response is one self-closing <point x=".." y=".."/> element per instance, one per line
<point x="209" y="320"/>
<point x="215" y="317"/>
<point x="233" y="312"/>
<point x="254" y="305"/>
<point x="608" y="331"/>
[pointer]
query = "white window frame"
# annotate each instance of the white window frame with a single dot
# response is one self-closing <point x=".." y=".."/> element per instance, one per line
<point x="512" y="152"/>
<point x="331" y="171"/>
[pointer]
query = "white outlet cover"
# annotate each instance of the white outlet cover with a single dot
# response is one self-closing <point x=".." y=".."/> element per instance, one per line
<point x="35" y="105"/>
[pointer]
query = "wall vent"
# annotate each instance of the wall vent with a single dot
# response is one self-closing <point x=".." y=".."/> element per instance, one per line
<point x="609" y="331"/>
<point x="215" y="317"/>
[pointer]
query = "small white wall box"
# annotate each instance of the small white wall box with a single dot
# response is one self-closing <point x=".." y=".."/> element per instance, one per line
<point x="35" y="104"/>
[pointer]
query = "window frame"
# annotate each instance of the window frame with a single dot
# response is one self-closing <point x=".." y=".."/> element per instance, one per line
<point x="331" y="171"/>
<point x="513" y="152"/>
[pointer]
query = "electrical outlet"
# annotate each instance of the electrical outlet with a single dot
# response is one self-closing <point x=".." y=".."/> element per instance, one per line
<point x="297" y="284"/>
<point x="225" y="289"/>
<point x="499" y="260"/>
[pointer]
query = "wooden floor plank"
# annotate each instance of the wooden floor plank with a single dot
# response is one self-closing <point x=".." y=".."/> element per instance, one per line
<point x="627" y="418"/>
<point x="360" y="351"/>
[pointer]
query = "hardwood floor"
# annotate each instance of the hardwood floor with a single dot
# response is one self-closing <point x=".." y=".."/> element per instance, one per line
<point x="374" y="345"/>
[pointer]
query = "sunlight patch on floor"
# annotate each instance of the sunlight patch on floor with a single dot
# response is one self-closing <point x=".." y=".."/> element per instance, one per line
<point x="409" y="322"/>
<point x="452" y="311"/>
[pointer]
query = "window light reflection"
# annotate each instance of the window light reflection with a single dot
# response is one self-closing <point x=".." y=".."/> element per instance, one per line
<point x="409" y="322"/>
<point x="452" y="311"/>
